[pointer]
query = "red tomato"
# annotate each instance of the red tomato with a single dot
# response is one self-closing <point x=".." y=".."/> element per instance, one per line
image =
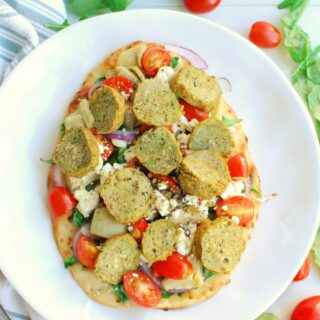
<point x="238" y="166"/>
<point x="120" y="83"/>
<point x="145" y="127"/>
<point x="265" y="35"/>
<point x="175" y="267"/>
<point x="140" y="225"/>
<point x="107" y="144"/>
<point x="308" y="309"/>
<point x="192" y="112"/>
<point x="61" y="201"/>
<point x="201" y="6"/>
<point x="141" y="289"/>
<point x="304" y="271"/>
<point x="238" y="206"/>
<point x="87" y="252"/>
<point x="170" y="182"/>
<point x="133" y="162"/>
<point x="153" y="59"/>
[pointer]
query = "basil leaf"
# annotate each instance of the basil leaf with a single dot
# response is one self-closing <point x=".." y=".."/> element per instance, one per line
<point x="117" y="5"/>
<point x="70" y="261"/>
<point x="92" y="185"/>
<point x="62" y="129"/>
<point x="49" y="161"/>
<point x="267" y="316"/>
<point x="78" y="219"/>
<point x="57" y="27"/>
<point x="166" y="294"/>
<point x="119" y="291"/>
<point x="230" y="122"/>
<point x="174" y="62"/>
<point x="315" y="251"/>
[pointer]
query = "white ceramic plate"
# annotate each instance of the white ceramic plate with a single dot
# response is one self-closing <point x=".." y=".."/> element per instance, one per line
<point x="33" y="101"/>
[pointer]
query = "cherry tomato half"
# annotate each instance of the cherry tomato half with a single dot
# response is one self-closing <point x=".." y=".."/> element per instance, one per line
<point x="140" y="225"/>
<point x="107" y="144"/>
<point x="304" y="270"/>
<point x="308" y="309"/>
<point x="121" y="84"/>
<point x="237" y="206"/>
<point x="141" y="289"/>
<point x="153" y="59"/>
<point x="265" y="35"/>
<point x="87" y="252"/>
<point x="61" y="201"/>
<point x="192" y="112"/>
<point x="201" y="6"/>
<point x="175" y="267"/>
<point x="170" y="182"/>
<point x="238" y="166"/>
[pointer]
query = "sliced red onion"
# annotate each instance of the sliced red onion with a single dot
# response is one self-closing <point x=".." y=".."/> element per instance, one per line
<point x="94" y="87"/>
<point x="57" y="176"/>
<point x="146" y="270"/>
<point x="123" y="135"/>
<point x="75" y="240"/>
<point x="188" y="54"/>
<point x="227" y="82"/>
<point x="248" y="185"/>
<point x="177" y="290"/>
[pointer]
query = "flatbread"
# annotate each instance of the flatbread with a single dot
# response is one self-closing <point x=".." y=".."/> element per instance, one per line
<point x="64" y="230"/>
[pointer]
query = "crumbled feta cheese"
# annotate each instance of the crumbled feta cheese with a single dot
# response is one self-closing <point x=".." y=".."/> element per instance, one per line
<point x="161" y="203"/>
<point x="189" y="125"/>
<point x="183" y="217"/>
<point x="232" y="129"/>
<point x="105" y="172"/>
<point x="235" y="219"/>
<point x="88" y="200"/>
<point x="183" y="139"/>
<point x="76" y="183"/>
<point x="125" y="95"/>
<point x="191" y="200"/>
<point x="129" y="154"/>
<point x="184" y="243"/>
<point x="178" y="127"/>
<point x="130" y="227"/>
<point x="162" y="186"/>
<point x="118" y="166"/>
<point x="165" y="73"/>
<point x="173" y="203"/>
<point x="234" y="188"/>
<point x="224" y="208"/>
<point x="193" y="123"/>
<point x="119" y="143"/>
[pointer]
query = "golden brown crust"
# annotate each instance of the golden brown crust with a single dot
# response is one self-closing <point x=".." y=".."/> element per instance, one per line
<point x="64" y="230"/>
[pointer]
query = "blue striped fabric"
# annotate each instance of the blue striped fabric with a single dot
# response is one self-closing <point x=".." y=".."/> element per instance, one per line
<point x="22" y="28"/>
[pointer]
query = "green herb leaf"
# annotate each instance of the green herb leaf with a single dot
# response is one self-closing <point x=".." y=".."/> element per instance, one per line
<point x="78" y="219"/>
<point x="62" y="129"/>
<point x="119" y="291"/>
<point x="174" y="62"/>
<point x="85" y="7"/>
<point x="291" y="4"/>
<point x="117" y="5"/>
<point x="92" y="185"/>
<point x="166" y="294"/>
<point x="58" y="27"/>
<point x="180" y="294"/>
<point x="207" y="274"/>
<point x="230" y="122"/>
<point x="118" y="155"/>
<point x="70" y="261"/>
<point x="313" y="72"/>
<point x="100" y="79"/>
<point x="267" y="316"/>
<point x="315" y="251"/>
<point x="49" y="161"/>
<point x="255" y="190"/>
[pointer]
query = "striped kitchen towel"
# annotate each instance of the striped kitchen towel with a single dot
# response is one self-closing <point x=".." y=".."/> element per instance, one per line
<point x="22" y="28"/>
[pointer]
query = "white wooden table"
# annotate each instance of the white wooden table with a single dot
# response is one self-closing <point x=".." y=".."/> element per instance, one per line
<point x="239" y="15"/>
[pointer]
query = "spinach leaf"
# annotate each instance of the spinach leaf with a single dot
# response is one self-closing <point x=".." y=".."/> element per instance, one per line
<point x="58" y="27"/>
<point x="166" y="294"/>
<point x="78" y="219"/>
<point x="70" y="261"/>
<point x="267" y="316"/>
<point x="230" y="122"/>
<point x="49" y="161"/>
<point x="92" y="185"/>
<point x="118" y="290"/>
<point x="315" y="251"/>
<point x="174" y="62"/>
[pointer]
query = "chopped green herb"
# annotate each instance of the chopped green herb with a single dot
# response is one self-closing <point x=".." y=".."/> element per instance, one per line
<point x="212" y="214"/>
<point x="100" y="79"/>
<point x="92" y="185"/>
<point x="255" y="190"/>
<point x="58" y="27"/>
<point x="267" y="316"/>
<point x="78" y="219"/>
<point x="315" y="251"/>
<point x="49" y="161"/>
<point x="174" y="62"/>
<point x="230" y="122"/>
<point x="118" y="155"/>
<point x="119" y="291"/>
<point x="207" y="274"/>
<point x="62" y="129"/>
<point x="180" y="294"/>
<point x="166" y="294"/>
<point x="123" y="127"/>
<point x="70" y="261"/>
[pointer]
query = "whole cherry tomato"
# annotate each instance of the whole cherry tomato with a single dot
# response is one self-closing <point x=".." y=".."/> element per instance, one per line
<point x="201" y="6"/>
<point x="308" y="309"/>
<point x="265" y="35"/>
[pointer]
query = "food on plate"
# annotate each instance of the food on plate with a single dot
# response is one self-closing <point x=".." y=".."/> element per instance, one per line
<point x="127" y="195"/>
<point x="204" y="174"/>
<point x="154" y="103"/>
<point x="153" y="192"/>
<point x="197" y="88"/>
<point x="77" y="153"/>
<point x="212" y="135"/>
<point x="158" y="150"/>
